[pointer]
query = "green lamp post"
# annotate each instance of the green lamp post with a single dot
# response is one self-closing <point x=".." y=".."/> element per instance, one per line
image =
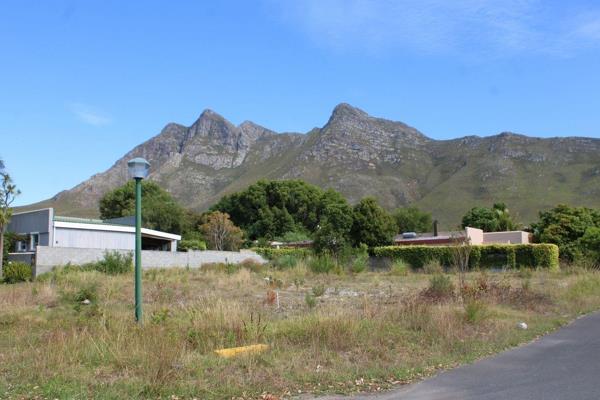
<point x="138" y="170"/>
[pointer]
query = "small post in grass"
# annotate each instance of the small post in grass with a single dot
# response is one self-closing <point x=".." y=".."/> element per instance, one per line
<point x="138" y="170"/>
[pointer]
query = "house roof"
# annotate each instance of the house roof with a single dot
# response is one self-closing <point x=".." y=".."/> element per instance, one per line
<point x="99" y="225"/>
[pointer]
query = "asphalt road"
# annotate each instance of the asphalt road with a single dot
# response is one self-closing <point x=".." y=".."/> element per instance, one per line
<point x="564" y="365"/>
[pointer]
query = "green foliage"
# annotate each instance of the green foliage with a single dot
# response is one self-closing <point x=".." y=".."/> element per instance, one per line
<point x="590" y="241"/>
<point x="399" y="268"/>
<point x="115" y="263"/>
<point x="332" y="233"/>
<point x="311" y="301"/>
<point x="411" y="219"/>
<point x="565" y="226"/>
<point x="274" y="208"/>
<point x="322" y="263"/>
<point x="360" y="263"/>
<point x="475" y="311"/>
<point x="440" y="286"/>
<point x="17" y="272"/>
<point x="497" y="218"/>
<point x="159" y="210"/>
<point x="293" y="236"/>
<point x="191" y="244"/>
<point x="372" y="225"/>
<point x="285" y="261"/>
<point x="272" y="254"/>
<point x="318" y="290"/>
<point x="485" y="256"/>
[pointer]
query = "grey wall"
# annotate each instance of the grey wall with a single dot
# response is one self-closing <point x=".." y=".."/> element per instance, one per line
<point x="50" y="257"/>
<point x="35" y="221"/>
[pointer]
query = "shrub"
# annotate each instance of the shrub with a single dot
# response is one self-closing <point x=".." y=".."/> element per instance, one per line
<point x="311" y="301"/>
<point x="399" y="268"/>
<point x="359" y="263"/>
<point x="191" y="244"/>
<point x="440" y="287"/>
<point x="318" y="290"/>
<point x="272" y="254"/>
<point x="433" y="267"/>
<point x="475" y="311"/>
<point x="115" y="263"/>
<point x="285" y="261"/>
<point x="323" y="263"/>
<point x="252" y="265"/>
<point x="481" y="256"/>
<point x="17" y="272"/>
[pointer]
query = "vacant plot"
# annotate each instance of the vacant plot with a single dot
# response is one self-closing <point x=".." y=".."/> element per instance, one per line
<point x="72" y="334"/>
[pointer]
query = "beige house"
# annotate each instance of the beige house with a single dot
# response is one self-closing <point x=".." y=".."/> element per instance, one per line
<point x="477" y="236"/>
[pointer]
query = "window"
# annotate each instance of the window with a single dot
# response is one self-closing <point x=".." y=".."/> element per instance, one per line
<point x="21" y="246"/>
<point x="34" y="240"/>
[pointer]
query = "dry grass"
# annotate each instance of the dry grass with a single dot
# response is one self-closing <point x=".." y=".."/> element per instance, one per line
<point x="366" y="332"/>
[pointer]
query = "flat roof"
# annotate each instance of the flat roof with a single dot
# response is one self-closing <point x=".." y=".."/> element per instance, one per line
<point x="114" y="228"/>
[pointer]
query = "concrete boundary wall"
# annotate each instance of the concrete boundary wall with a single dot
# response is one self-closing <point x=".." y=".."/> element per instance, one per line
<point x="49" y="257"/>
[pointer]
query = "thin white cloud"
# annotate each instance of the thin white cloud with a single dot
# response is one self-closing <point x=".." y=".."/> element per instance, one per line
<point x="89" y="115"/>
<point x="445" y="26"/>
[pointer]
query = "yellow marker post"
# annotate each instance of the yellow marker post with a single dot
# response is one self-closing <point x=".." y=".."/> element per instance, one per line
<point x="234" y="351"/>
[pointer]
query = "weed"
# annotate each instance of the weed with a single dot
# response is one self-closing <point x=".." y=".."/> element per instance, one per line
<point x="433" y="267"/>
<point x="310" y="300"/>
<point x="286" y="261"/>
<point x="323" y="263"/>
<point x="318" y="290"/>
<point x="15" y="272"/>
<point x="440" y="287"/>
<point x="399" y="268"/>
<point x="115" y="263"/>
<point x="475" y="311"/>
<point x="160" y="316"/>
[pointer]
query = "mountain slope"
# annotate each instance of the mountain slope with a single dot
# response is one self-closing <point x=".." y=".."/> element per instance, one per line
<point x="359" y="155"/>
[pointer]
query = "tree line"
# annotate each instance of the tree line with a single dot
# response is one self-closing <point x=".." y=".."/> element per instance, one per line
<point x="293" y="210"/>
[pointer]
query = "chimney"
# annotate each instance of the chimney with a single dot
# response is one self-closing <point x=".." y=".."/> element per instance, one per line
<point x="435" y="228"/>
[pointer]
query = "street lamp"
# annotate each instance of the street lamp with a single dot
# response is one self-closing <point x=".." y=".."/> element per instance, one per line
<point x="138" y="170"/>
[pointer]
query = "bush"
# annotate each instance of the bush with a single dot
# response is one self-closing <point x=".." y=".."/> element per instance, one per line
<point x="252" y="265"/>
<point x="323" y="263"/>
<point x="475" y="311"/>
<point x="17" y="272"/>
<point x="115" y="263"/>
<point x="191" y="244"/>
<point x="481" y="256"/>
<point x="286" y="261"/>
<point x="271" y="254"/>
<point x="440" y="286"/>
<point x="399" y="268"/>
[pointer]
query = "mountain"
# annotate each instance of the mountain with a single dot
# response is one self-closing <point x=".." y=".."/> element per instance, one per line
<point x="359" y="155"/>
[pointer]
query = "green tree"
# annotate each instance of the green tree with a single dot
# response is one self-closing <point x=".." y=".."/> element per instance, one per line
<point x="482" y="218"/>
<point x="565" y="226"/>
<point x="590" y="242"/>
<point x="371" y="225"/>
<point x="271" y="209"/>
<point x="159" y="210"/>
<point x="411" y="219"/>
<point x="495" y="219"/>
<point x="8" y="192"/>
<point x="333" y="232"/>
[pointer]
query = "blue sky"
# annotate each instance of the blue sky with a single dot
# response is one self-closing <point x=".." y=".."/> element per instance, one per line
<point x="82" y="82"/>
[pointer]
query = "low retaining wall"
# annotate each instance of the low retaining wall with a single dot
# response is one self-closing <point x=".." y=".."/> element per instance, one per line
<point x="49" y="257"/>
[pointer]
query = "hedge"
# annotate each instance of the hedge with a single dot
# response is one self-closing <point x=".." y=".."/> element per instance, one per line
<point x="481" y="256"/>
<point x="271" y="253"/>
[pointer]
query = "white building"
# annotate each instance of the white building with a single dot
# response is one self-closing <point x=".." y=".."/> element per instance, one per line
<point x="43" y="228"/>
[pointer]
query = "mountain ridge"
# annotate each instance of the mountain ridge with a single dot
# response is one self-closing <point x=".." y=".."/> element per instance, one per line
<point x="359" y="155"/>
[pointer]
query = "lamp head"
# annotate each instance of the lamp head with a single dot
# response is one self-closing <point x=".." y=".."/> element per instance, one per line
<point x="138" y="168"/>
